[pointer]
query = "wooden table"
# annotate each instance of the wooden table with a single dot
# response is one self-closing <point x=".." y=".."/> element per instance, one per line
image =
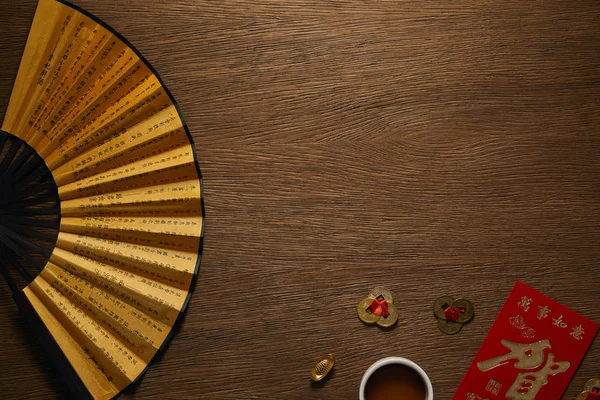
<point x="433" y="147"/>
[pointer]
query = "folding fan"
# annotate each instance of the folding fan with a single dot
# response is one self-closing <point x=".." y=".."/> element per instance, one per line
<point x="101" y="198"/>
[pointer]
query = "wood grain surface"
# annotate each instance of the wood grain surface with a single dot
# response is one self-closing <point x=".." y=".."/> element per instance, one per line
<point x="433" y="147"/>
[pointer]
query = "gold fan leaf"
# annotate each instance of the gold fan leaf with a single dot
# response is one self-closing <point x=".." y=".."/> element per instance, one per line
<point x="129" y="244"/>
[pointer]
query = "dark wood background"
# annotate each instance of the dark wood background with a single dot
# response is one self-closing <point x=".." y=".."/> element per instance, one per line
<point x="433" y="147"/>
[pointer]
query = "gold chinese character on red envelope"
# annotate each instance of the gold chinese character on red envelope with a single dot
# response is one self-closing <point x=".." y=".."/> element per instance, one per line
<point x="531" y="351"/>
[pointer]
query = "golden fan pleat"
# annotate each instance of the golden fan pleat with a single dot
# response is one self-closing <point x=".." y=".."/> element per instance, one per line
<point x="129" y="189"/>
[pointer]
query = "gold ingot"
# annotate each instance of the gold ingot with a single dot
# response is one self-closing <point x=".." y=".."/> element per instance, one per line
<point x="386" y="322"/>
<point x="449" y="327"/>
<point x="469" y="310"/>
<point x="582" y="396"/>
<point x="383" y="292"/>
<point x="592" y="384"/>
<point x="322" y="367"/>
<point x="440" y="305"/>
<point x="365" y="314"/>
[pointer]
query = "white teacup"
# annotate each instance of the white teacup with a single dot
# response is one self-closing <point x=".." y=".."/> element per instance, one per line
<point x="399" y="361"/>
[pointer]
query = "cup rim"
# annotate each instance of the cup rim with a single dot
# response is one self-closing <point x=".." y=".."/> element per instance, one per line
<point x="395" y="360"/>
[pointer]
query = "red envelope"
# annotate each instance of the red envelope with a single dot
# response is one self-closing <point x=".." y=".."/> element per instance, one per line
<point x="531" y="352"/>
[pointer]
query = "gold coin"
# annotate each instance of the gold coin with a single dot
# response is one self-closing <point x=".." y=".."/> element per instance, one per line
<point x="469" y="310"/>
<point x="386" y="322"/>
<point x="383" y="292"/>
<point x="449" y="327"/>
<point x="591" y="384"/>
<point x="322" y="367"/>
<point x="364" y="313"/>
<point x="440" y="306"/>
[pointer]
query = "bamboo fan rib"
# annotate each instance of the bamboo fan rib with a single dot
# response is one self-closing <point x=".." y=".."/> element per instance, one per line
<point x="101" y="198"/>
